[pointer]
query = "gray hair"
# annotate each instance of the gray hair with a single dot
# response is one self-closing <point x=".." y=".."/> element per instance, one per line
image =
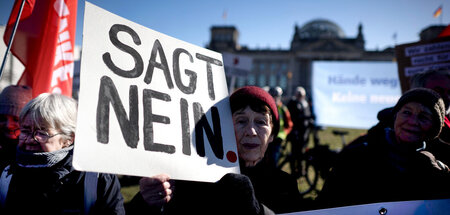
<point x="52" y="111"/>
<point x="301" y="91"/>
<point x="420" y="79"/>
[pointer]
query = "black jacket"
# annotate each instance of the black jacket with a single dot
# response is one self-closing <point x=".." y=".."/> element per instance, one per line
<point x="254" y="191"/>
<point x="7" y="151"/>
<point x="373" y="168"/>
<point x="59" y="190"/>
<point x="274" y="188"/>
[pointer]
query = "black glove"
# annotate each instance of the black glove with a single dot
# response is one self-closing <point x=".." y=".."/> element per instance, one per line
<point x="237" y="191"/>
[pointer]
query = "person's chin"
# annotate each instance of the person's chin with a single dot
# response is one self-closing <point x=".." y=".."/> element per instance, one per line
<point x="33" y="149"/>
<point x="412" y="139"/>
<point x="252" y="160"/>
<point x="9" y="136"/>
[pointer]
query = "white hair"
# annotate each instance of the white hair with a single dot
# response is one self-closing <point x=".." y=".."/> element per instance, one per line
<point x="52" y="111"/>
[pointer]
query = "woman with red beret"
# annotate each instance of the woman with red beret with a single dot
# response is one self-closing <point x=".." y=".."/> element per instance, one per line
<point x="260" y="189"/>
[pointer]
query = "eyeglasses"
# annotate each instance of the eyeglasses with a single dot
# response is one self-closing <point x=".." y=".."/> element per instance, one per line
<point x="39" y="136"/>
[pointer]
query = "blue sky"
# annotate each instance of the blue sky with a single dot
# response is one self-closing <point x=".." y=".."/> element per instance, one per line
<point x="270" y="23"/>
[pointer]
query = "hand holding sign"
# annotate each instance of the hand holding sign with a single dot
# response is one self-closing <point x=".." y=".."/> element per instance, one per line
<point x="156" y="190"/>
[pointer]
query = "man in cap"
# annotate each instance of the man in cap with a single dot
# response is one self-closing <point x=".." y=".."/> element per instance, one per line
<point x="302" y="116"/>
<point x="12" y="99"/>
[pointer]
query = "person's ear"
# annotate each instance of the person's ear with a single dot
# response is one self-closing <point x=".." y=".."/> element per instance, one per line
<point x="70" y="141"/>
<point x="270" y="138"/>
<point x="72" y="138"/>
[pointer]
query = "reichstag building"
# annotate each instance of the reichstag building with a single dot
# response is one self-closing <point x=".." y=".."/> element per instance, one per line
<point x="318" y="39"/>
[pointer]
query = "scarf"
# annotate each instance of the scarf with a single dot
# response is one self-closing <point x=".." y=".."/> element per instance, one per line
<point x="402" y="155"/>
<point x="41" y="159"/>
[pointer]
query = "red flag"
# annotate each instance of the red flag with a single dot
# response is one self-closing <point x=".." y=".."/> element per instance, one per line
<point x="44" y="43"/>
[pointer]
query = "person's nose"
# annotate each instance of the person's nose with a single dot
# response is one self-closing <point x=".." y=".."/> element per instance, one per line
<point x="28" y="139"/>
<point x="250" y="129"/>
<point x="413" y="120"/>
<point x="11" y="124"/>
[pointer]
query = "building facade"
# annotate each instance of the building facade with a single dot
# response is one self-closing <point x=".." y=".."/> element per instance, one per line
<point x="318" y="39"/>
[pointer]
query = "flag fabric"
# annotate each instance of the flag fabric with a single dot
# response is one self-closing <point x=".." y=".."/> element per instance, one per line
<point x="438" y="12"/>
<point x="445" y="32"/>
<point x="44" y="42"/>
<point x="26" y="12"/>
<point x="224" y="15"/>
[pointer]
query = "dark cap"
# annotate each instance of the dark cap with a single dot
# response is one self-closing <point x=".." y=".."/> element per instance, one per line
<point x="13" y="98"/>
<point x="430" y="99"/>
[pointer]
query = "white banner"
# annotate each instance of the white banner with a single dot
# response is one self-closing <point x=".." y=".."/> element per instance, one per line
<point x="350" y="94"/>
<point x="151" y="104"/>
<point x="420" y="207"/>
<point x="237" y="61"/>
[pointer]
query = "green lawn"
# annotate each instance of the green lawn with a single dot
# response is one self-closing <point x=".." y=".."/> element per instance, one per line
<point x="128" y="192"/>
<point x="335" y="143"/>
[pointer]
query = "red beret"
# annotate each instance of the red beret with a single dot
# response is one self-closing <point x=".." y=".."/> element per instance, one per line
<point x="247" y="94"/>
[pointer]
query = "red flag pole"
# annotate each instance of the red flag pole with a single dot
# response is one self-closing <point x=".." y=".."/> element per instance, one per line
<point x="11" y="38"/>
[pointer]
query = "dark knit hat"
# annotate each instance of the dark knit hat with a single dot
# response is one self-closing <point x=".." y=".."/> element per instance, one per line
<point x="430" y="99"/>
<point x="252" y="94"/>
<point x="13" y="98"/>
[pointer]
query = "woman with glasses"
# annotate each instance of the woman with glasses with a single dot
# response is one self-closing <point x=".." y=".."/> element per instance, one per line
<point x="42" y="180"/>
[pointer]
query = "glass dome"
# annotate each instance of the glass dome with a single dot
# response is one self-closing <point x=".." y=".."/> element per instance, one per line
<point x="320" y="28"/>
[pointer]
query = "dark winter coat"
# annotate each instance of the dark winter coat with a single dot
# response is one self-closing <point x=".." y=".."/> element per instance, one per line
<point x="252" y="192"/>
<point x="301" y="114"/>
<point x="59" y="190"/>
<point x="274" y="188"/>
<point x="374" y="168"/>
<point x="7" y="151"/>
<point x="440" y="147"/>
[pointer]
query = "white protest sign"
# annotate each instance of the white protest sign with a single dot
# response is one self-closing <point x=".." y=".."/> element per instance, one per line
<point x="151" y="104"/>
<point x="419" y="207"/>
<point x="419" y="57"/>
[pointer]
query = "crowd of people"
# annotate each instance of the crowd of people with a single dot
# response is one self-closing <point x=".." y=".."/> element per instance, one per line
<point x="404" y="157"/>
